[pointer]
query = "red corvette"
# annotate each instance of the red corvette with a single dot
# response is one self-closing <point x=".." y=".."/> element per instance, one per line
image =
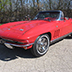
<point x="37" y="34"/>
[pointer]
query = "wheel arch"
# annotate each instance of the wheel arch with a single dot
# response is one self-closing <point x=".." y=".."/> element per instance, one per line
<point x="49" y="33"/>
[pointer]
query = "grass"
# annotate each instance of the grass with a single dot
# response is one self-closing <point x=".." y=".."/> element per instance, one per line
<point x="0" y="24"/>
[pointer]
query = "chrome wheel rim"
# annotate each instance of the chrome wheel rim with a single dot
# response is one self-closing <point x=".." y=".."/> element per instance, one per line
<point x="42" y="44"/>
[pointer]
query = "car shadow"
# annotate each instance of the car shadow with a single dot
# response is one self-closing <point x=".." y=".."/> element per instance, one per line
<point x="68" y="37"/>
<point x="7" y="54"/>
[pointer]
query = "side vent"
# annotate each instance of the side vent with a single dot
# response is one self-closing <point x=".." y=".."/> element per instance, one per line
<point x="56" y="33"/>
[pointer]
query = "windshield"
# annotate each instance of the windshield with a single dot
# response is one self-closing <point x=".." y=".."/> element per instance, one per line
<point x="47" y="15"/>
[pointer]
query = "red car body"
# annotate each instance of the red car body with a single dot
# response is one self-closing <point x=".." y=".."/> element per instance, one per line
<point x="24" y="33"/>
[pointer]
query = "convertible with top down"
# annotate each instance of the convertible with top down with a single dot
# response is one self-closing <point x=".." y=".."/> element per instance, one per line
<point x="46" y="28"/>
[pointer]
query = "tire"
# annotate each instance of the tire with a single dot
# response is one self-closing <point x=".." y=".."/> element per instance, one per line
<point x="41" y="45"/>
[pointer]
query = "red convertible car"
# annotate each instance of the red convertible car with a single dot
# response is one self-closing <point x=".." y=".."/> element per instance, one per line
<point x="37" y="34"/>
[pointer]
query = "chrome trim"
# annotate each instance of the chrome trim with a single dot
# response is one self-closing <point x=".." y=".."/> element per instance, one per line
<point x="21" y="29"/>
<point x="20" y="45"/>
<point x="59" y="38"/>
<point x="61" y="14"/>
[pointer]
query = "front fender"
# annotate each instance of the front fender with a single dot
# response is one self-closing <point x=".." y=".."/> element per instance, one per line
<point x="33" y="33"/>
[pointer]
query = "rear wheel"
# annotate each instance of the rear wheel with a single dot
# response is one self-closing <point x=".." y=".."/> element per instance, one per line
<point x="41" y="45"/>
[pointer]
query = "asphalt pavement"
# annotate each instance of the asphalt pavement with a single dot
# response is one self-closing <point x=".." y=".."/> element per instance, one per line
<point x="57" y="59"/>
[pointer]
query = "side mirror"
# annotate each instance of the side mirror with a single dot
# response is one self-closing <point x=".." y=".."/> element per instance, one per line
<point x="66" y="18"/>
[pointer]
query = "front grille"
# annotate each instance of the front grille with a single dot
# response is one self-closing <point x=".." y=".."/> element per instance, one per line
<point x="11" y="41"/>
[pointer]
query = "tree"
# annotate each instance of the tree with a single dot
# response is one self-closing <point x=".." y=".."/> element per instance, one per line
<point x="3" y="5"/>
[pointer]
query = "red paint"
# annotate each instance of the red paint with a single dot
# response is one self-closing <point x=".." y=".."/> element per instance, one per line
<point x="32" y="29"/>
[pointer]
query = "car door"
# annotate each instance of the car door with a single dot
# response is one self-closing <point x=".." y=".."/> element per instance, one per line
<point x="65" y="27"/>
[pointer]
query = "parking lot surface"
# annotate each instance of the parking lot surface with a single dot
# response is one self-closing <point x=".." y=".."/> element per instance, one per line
<point x="57" y="59"/>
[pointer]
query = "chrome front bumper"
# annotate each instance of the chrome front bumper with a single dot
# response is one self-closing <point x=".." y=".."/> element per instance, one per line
<point x="19" y="45"/>
<point x="15" y="45"/>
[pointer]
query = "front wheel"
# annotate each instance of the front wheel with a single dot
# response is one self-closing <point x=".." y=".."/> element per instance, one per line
<point x="41" y="45"/>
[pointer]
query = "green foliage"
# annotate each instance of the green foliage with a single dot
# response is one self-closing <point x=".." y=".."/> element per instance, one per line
<point x="3" y="3"/>
<point x="17" y="10"/>
<point x="0" y="24"/>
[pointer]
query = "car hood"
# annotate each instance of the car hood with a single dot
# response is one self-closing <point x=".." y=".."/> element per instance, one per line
<point x="22" y="27"/>
<point x="17" y="29"/>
